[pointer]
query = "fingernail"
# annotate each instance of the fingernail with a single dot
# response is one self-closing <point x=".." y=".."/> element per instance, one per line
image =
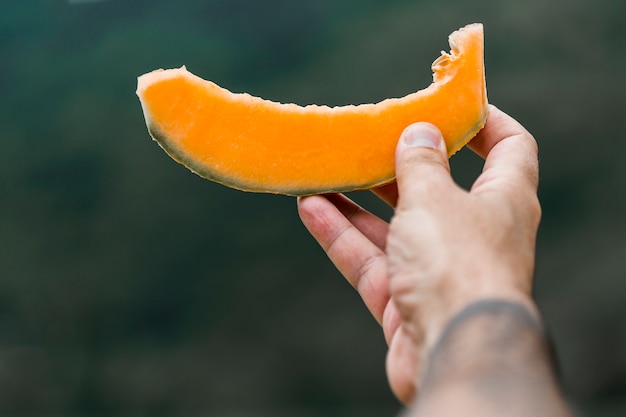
<point x="423" y="135"/>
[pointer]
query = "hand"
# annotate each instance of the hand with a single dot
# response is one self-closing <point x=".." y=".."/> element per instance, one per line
<point x="445" y="247"/>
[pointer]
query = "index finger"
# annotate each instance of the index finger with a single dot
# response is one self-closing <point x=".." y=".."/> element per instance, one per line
<point x="498" y="127"/>
<point x="510" y="152"/>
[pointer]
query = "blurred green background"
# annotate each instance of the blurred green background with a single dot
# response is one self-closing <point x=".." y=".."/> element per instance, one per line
<point x="131" y="287"/>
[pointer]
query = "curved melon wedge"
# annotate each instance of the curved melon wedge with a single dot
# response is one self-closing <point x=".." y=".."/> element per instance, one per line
<point x="257" y="145"/>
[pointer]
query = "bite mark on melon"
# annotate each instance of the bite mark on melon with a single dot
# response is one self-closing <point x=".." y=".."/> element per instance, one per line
<point x="258" y="145"/>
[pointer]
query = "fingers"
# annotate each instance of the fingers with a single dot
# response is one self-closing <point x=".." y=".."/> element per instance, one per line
<point x="421" y="164"/>
<point x="391" y="321"/>
<point x="388" y="193"/>
<point x="499" y="126"/>
<point x="371" y="226"/>
<point x="511" y="155"/>
<point x="403" y="366"/>
<point x="354" y="240"/>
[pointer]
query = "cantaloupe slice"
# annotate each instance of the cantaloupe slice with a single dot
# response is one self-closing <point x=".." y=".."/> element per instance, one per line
<point x="257" y="145"/>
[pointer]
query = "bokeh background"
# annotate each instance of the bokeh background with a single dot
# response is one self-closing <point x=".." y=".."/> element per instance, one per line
<point x="131" y="287"/>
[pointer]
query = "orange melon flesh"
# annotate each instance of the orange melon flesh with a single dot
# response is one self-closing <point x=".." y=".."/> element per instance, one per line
<point x="257" y="145"/>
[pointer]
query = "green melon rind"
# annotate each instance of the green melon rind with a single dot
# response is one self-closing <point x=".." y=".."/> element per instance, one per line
<point x="206" y="172"/>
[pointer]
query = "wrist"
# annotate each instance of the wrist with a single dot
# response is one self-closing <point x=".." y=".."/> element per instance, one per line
<point x="441" y="318"/>
<point x="495" y="352"/>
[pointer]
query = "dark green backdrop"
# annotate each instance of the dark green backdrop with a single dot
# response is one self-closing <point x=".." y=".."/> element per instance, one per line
<point x="131" y="287"/>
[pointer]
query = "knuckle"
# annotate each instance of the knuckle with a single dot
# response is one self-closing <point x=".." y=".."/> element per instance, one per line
<point x="428" y="157"/>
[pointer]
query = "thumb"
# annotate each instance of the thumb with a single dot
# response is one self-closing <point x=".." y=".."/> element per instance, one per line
<point x="421" y="161"/>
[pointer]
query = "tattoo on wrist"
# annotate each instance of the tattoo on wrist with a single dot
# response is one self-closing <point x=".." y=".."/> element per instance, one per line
<point x="498" y="351"/>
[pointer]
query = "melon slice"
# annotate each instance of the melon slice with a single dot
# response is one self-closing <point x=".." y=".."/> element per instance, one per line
<point x="257" y="145"/>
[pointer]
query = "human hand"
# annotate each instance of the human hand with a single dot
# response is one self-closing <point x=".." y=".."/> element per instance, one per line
<point x="445" y="247"/>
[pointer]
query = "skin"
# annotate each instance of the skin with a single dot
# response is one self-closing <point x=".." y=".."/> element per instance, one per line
<point x="445" y="252"/>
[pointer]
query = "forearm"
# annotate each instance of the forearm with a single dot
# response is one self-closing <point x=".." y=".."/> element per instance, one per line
<point x="492" y="359"/>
